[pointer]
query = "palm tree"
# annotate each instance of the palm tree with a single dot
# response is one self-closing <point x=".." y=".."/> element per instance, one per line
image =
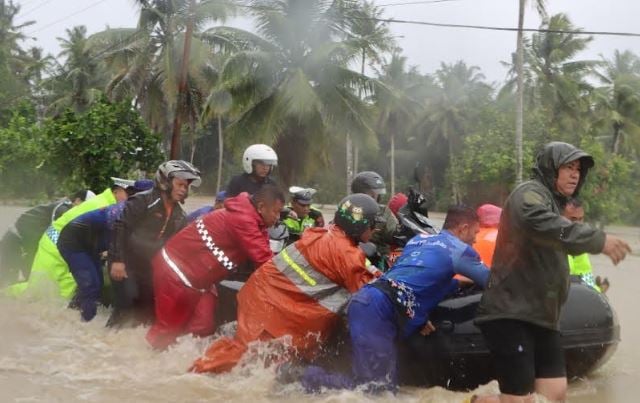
<point x="163" y="63"/>
<point x="561" y="85"/>
<point x="449" y="114"/>
<point x="36" y="70"/>
<point x="540" y="6"/>
<point x="617" y="103"/>
<point x="14" y="60"/>
<point x="79" y="80"/>
<point x="291" y="86"/>
<point x="371" y="37"/>
<point x="396" y="109"/>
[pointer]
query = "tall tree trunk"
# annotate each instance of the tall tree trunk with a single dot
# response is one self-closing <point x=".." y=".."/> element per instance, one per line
<point x="356" y="158"/>
<point x="352" y="149"/>
<point x="519" y="93"/>
<point x="393" y="162"/>
<point x="349" y="161"/>
<point x="615" y="149"/>
<point x="220" y="154"/>
<point x="193" y="135"/>
<point x="182" y="86"/>
<point x="455" y="187"/>
<point x="356" y="149"/>
<point x="192" y="153"/>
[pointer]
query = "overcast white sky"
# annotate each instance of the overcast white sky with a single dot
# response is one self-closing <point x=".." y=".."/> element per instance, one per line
<point x="425" y="47"/>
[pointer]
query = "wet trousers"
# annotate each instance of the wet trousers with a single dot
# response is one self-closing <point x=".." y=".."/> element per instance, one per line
<point x="87" y="272"/>
<point x="179" y="309"/>
<point x="133" y="296"/>
<point x="373" y="331"/>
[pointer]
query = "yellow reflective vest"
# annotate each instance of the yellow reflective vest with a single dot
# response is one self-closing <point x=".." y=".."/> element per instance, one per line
<point x="50" y="273"/>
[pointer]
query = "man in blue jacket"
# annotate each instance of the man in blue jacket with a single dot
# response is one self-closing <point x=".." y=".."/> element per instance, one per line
<point x="398" y="304"/>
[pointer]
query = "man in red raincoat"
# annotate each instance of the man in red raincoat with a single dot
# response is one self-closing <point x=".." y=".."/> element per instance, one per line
<point x="205" y="252"/>
<point x="301" y="291"/>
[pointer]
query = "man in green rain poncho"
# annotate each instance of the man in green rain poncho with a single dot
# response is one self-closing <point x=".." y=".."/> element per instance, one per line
<point x="50" y="273"/>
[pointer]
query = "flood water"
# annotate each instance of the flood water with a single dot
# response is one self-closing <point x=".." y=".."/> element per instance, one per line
<point x="48" y="355"/>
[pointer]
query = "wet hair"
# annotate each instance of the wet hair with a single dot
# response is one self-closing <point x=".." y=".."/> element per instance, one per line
<point x="573" y="201"/>
<point x="268" y="194"/>
<point x="458" y="215"/>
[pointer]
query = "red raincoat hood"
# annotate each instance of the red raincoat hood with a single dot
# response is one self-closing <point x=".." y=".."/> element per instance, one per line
<point x="240" y="203"/>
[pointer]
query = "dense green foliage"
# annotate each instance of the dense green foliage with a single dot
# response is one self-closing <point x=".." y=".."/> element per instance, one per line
<point x="301" y="82"/>
<point x="64" y="153"/>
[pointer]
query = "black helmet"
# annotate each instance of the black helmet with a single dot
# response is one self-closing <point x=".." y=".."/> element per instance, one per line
<point x="367" y="182"/>
<point x="176" y="169"/>
<point x="355" y="214"/>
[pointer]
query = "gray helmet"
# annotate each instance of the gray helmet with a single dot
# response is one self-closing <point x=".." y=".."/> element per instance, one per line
<point x="176" y="169"/>
<point x="367" y="182"/>
<point x="355" y="214"/>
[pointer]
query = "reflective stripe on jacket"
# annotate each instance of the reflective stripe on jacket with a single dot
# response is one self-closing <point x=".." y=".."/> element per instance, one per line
<point x="292" y="264"/>
<point x="302" y="300"/>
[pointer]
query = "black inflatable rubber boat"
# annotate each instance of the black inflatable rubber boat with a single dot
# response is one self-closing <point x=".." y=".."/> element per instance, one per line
<point x="455" y="356"/>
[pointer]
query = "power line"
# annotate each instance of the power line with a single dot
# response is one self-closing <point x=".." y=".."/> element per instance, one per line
<point x="37" y="6"/>
<point x="493" y="28"/>
<point x="467" y="26"/>
<point x="66" y="17"/>
<point x="414" y="2"/>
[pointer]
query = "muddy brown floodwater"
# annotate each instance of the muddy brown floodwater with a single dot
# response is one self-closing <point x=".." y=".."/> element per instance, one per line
<point x="48" y="355"/>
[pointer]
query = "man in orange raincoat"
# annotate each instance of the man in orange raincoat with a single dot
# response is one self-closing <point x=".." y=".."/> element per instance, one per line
<point x="301" y="291"/>
<point x="486" y="239"/>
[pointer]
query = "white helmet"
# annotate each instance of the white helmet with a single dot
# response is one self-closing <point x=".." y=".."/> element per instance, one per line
<point x="258" y="152"/>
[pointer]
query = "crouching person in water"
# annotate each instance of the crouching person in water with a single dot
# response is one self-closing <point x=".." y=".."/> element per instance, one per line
<point x="205" y="252"/>
<point x="82" y="242"/>
<point x="398" y="304"/>
<point x="301" y="291"/>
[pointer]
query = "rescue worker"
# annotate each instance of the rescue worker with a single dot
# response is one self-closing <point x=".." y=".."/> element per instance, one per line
<point x="301" y="292"/>
<point x="397" y="306"/>
<point x="529" y="282"/>
<point x="204" y="253"/>
<point x="149" y="219"/>
<point x="218" y="203"/>
<point x="49" y="272"/>
<point x="81" y="244"/>
<point x="372" y="184"/>
<point x="304" y="214"/>
<point x="19" y="244"/>
<point x="258" y="161"/>
<point x="580" y="265"/>
<point x="485" y="245"/>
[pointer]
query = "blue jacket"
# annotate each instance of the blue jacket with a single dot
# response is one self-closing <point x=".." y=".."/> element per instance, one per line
<point x="91" y="231"/>
<point x="423" y="275"/>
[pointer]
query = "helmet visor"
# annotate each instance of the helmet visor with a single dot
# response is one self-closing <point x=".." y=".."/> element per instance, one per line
<point x="273" y="163"/>
<point x="194" y="180"/>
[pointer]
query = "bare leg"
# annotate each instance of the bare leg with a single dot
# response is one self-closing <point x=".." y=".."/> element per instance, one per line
<point x="503" y="398"/>
<point x="554" y="389"/>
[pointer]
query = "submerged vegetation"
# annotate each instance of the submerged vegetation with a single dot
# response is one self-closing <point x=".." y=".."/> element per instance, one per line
<point x="323" y="82"/>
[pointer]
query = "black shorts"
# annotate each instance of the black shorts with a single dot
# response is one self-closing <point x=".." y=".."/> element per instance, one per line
<point x="523" y="352"/>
